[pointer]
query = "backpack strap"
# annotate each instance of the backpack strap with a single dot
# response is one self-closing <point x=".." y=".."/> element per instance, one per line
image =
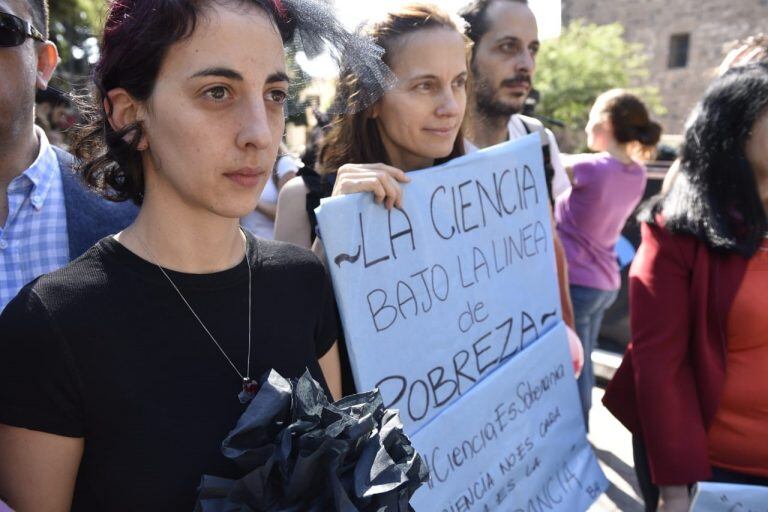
<point x="532" y="125"/>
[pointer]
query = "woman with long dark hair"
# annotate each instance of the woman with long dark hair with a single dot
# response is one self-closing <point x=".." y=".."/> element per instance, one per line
<point x="120" y="374"/>
<point x="692" y="385"/>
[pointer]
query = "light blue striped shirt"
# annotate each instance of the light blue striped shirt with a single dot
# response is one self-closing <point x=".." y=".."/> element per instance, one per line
<point x="34" y="240"/>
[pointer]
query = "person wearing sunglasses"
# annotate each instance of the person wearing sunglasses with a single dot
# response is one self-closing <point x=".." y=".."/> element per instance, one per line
<point x="47" y="217"/>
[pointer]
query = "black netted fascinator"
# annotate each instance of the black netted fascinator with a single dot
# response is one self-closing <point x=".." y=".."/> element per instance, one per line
<point x="311" y="26"/>
<point x="302" y="453"/>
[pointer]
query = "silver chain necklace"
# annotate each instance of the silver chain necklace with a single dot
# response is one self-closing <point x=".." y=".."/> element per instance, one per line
<point x="250" y="386"/>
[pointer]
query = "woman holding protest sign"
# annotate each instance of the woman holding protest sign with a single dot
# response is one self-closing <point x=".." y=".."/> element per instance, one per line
<point x="415" y="124"/>
<point x="691" y="387"/>
<point x="120" y="374"/>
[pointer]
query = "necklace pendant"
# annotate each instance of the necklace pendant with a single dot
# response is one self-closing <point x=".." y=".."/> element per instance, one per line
<point x="250" y="387"/>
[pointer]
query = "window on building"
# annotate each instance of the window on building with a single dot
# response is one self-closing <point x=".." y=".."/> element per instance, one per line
<point x="678" y="51"/>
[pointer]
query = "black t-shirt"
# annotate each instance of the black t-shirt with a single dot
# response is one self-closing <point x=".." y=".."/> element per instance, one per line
<point x="106" y="350"/>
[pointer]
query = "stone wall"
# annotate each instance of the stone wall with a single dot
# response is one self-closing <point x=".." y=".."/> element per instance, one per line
<point x="712" y="24"/>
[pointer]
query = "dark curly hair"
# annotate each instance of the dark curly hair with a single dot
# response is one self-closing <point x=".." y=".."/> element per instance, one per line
<point x="715" y="197"/>
<point x="477" y="22"/>
<point x="137" y="36"/>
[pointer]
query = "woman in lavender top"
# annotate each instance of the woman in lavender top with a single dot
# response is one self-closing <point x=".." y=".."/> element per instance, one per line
<point x="607" y="186"/>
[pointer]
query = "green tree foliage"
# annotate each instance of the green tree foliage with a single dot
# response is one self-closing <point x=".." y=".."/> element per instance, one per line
<point x="74" y="24"/>
<point x="583" y="62"/>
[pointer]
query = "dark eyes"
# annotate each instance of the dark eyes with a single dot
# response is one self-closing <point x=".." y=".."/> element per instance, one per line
<point x="515" y="48"/>
<point x="278" y="96"/>
<point x="425" y="86"/>
<point x="220" y="93"/>
<point x="458" y="83"/>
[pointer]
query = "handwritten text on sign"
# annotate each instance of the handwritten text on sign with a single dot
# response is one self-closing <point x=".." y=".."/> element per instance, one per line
<point x="436" y="295"/>
<point x="515" y="442"/>
<point x="718" y="497"/>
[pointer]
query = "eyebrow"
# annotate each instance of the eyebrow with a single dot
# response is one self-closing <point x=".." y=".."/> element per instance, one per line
<point x="514" y="39"/>
<point x="222" y="72"/>
<point x="278" y="76"/>
<point x="428" y="76"/>
<point x="423" y="77"/>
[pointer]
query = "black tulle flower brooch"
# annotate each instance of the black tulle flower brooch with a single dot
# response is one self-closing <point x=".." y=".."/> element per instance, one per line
<point x="302" y="453"/>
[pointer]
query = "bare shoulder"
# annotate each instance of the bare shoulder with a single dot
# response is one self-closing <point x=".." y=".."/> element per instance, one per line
<point x="292" y="221"/>
<point x="294" y="190"/>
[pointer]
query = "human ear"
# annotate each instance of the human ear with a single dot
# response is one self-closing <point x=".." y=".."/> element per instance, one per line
<point x="124" y="110"/>
<point x="47" y="60"/>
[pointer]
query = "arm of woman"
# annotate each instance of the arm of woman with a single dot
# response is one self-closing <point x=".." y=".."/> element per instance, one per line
<point x="330" y="364"/>
<point x="270" y="209"/>
<point x="566" y="306"/>
<point x="291" y="220"/>
<point x="38" y="470"/>
<point x="674" y="498"/>
<point x="267" y="209"/>
<point x="41" y="426"/>
<point x="665" y="388"/>
<point x="285" y="178"/>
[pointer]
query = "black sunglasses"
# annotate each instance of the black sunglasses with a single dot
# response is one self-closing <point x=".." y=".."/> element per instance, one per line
<point x="14" y="31"/>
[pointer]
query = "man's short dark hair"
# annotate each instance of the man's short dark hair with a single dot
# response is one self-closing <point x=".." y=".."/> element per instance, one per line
<point x="474" y="15"/>
<point x="39" y="10"/>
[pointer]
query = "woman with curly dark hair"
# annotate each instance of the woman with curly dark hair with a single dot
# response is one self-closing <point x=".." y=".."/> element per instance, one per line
<point x="120" y="374"/>
<point x="692" y="385"/>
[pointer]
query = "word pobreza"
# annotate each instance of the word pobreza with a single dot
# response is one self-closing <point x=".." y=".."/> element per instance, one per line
<point x="442" y="294"/>
<point x="437" y="294"/>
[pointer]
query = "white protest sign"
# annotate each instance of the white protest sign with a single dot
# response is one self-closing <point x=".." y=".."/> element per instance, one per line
<point x="437" y="295"/>
<point x="717" y="497"/>
<point x="450" y="306"/>
<point x="515" y="442"/>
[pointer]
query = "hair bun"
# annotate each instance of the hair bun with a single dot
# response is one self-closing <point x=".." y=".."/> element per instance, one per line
<point x="650" y="134"/>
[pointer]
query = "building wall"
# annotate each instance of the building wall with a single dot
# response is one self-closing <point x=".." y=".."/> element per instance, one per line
<point x="712" y="24"/>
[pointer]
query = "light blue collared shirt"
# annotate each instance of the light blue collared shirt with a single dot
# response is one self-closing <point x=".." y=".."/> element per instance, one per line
<point x="34" y="240"/>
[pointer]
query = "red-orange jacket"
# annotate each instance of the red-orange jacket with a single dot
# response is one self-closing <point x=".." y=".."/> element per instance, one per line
<point x="669" y="384"/>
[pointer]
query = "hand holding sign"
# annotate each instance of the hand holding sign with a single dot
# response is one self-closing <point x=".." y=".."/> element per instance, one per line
<point x="383" y="181"/>
<point x="436" y="293"/>
<point x="450" y="307"/>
